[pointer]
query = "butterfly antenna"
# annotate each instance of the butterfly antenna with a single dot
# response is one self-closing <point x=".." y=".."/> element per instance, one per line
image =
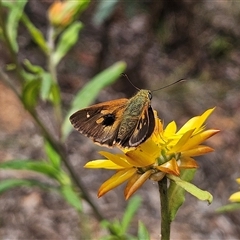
<point x="126" y="76"/>
<point x="178" y="81"/>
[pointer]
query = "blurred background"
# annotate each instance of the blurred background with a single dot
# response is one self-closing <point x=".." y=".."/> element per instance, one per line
<point x="161" y="42"/>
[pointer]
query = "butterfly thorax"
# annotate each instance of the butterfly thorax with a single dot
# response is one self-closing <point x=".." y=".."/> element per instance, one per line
<point x="131" y="116"/>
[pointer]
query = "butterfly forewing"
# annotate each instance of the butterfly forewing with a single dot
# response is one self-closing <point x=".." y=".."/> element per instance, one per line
<point x="100" y="122"/>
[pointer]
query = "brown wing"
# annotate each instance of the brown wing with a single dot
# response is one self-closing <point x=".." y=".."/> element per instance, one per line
<point x="100" y="122"/>
<point x="143" y="130"/>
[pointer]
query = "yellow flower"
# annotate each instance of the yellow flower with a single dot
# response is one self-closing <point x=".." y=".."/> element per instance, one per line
<point x="165" y="152"/>
<point x="235" y="197"/>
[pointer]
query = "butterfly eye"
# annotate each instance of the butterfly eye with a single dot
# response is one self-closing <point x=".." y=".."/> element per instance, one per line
<point x="150" y="95"/>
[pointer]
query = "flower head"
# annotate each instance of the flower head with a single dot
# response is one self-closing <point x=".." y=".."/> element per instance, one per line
<point x="61" y="14"/>
<point x="165" y="152"/>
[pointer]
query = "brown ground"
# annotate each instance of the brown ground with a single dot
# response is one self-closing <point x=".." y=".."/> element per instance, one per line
<point x="161" y="42"/>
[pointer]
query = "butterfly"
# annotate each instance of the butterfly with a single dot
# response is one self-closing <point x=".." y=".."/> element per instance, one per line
<point x="121" y="122"/>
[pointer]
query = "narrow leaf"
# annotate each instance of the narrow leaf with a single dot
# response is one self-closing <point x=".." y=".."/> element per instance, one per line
<point x="104" y="10"/>
<point x="72" y="197"/>
<point x="176" y="194"/>
<point x="55" y="95"/>
<point x="8" y="184"/>
<point x="195" y="191"/>
<point x="53" y="156"/>
<point x="30" y="93"/>
<point x="132" y="207"/>
<point x="46" y="85"/>
<point x="229" y="208"/>
<point x="14" y="15"/>
<point x="68" y="38"/>
<point x="36" y="34"/>
<point x="143" y="233"/>
<point x="32" y="68"/>
<point x="32" y="165"/>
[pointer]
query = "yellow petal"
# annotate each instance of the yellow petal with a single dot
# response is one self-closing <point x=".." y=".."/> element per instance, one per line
<point x="158" y="176"/>
<point x="135" y="183"/>
<point x="107" y="164"/>
<point x="170" y="129"/>
<point x="170" y="167"/>
<point x="235" y="197"/>
<point x="181" y="142"/>
<point x="118" y="159"/>
<point x="198" y="139"/>
<point x="187" y="162"/>
<point x="117" y="179"/>
<point x="196" y="122"/>
<point x="238" y="180"/>
<point x="199" y="150"/>
<point x="139" y="158"/>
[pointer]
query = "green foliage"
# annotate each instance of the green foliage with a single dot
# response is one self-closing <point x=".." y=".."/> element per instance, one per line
<point x="68" y="38"/>
<point x="52" y="155"/>
<point x="35" y="33"/>
<point x="229" y="208"/>
<point x="15" y="12"/>
<point x="104" y="10"/>
<point x="143" y="233"/>
<point x="30" y="94"/>
<point x="8" y="184"/>
<point x="176" y="193"/>
<point x="119" y="228"/>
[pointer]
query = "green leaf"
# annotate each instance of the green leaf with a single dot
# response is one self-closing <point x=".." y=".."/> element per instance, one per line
<point x="32" y="68"/>
<point x="68" y="38"/>
<point x="8" y="184"/>
<point x="14" y="15"/>
<point x="46" y="85"/>
<point x="36" y="34"/>
<point x="30" y="93"/>
<point x="143" y="233"/>
<point x="90" y="91"/>
<point x="37" y="166"/>
<point x="55" y="95"/>
<point x="40" y="74"/>
<point x="229" y="208"/>
<point x="53" y="156"/>
<point x="195" y="191"/>
<point x="71" y="197"/>
<point x="176" y="194"/>
<point x="104" y="10"/>
<point x="131" y="209"/>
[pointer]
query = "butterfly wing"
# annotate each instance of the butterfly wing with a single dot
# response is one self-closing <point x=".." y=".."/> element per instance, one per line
<point x="143" y="129"/>
<point x="100" y="122"/>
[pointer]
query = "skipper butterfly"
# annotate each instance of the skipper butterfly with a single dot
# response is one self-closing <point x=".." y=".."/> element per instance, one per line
<point x="123" y="122"/>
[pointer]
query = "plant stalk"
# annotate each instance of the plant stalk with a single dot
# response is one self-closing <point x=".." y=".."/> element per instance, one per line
<point x="165" y="219"/>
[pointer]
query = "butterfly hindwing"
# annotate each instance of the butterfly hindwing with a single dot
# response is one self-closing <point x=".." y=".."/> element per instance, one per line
<point x="144" y="127"/>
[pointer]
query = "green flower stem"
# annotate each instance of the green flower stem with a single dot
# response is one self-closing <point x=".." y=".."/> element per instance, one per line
<point x="165" y="218"/>
<point x="53" y="72"/>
